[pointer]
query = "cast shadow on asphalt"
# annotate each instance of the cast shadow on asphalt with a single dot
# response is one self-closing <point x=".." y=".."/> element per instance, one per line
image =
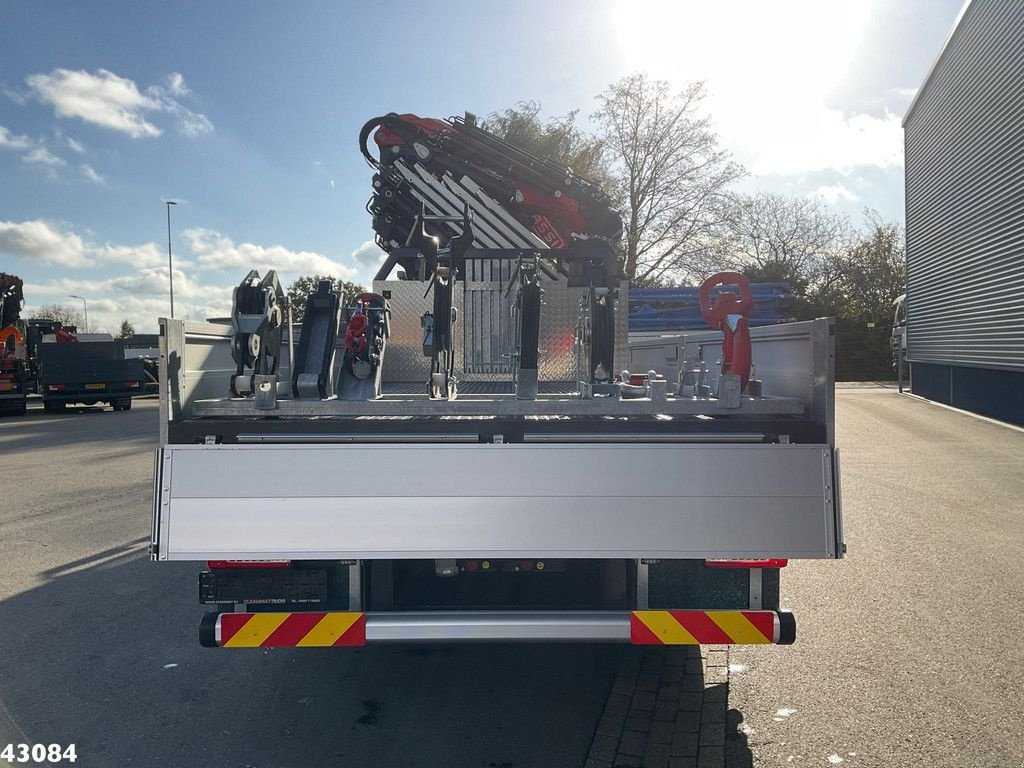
<point x="104" y="654"/>
<point x="737" y="749"/>
<point x="38" y="429"/>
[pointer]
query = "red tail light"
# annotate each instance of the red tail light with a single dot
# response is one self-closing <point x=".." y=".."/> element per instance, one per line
<point x="131" y="385"/>
<point x="215" y="564"/>
<point x="56" y="387"/>
<point x="777" y="562"/>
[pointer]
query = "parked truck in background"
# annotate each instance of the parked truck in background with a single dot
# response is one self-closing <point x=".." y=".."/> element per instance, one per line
<point x="90" y="371"/>
<point x="42" y="357"/>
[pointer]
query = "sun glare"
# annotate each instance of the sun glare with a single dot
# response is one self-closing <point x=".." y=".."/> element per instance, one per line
<point x="773" y="70"/>
<point x="748" y="45"/>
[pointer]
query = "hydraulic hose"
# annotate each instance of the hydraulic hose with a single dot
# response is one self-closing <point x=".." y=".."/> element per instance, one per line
<point x="364" y="135"/>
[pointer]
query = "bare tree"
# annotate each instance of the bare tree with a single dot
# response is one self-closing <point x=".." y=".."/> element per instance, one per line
<point x="779" y="237"/>
<point x="62" y="313"/>
<point x="672" y="178"/>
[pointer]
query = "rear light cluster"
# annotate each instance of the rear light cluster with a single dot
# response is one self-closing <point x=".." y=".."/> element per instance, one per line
<point x="55" y="387"/>
<point x="132" y="384"/>
<point x="219" y="564"/>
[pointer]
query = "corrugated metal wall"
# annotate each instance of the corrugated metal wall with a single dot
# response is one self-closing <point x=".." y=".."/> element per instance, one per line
<point x="965" y="196"/>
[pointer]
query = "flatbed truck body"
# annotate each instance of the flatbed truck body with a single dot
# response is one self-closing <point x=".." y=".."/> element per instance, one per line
<point x="649" y="520"/>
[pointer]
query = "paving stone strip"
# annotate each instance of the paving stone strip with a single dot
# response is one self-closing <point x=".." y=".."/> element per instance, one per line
<point x="666" y="709"/>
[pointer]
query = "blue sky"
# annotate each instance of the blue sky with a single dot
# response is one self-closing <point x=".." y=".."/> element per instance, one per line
<point x="248" y="113"/>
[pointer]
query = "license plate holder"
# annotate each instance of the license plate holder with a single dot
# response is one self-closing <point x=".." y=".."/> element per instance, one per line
<point x="95" y="386"/>
<point x="271" y="586"/>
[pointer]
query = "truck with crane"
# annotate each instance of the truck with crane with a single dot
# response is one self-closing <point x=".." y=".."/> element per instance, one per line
<point x="472" y="451"/>
<point x="40" y="356"/>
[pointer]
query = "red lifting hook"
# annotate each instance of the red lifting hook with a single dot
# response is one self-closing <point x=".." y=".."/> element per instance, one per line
<point x="730" y="314"/>
<point x="355" y="334"/>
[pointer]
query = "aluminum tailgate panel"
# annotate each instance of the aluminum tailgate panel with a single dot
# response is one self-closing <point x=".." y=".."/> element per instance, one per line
<point x="504" y="500"/>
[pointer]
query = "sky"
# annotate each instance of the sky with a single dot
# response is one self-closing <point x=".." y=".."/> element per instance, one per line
<point x="248" y="115"/>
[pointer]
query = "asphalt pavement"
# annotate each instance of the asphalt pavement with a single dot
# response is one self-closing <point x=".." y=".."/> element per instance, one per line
<point x="909" y="651"/>
<point x="99" y="645"/>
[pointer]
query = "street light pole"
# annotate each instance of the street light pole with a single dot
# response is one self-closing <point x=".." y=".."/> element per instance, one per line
<point x="170" y="264"/>
<point x="85" y="309"/>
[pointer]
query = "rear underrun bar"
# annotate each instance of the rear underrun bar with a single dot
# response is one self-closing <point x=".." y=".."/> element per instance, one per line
<point x="647" y="627"/>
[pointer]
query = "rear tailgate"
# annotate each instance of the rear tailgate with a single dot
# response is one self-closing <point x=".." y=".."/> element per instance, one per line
<point x="293" y="502"/>
<point x="77" y="366"/>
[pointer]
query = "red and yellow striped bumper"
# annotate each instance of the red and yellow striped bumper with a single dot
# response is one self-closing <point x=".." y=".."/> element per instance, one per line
<point x="350" y="628"/>
<point x="283" y="630"/>
<point x="665" y="627"/>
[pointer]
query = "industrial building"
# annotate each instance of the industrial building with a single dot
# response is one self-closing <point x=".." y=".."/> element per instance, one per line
<point x="964" y="142"/>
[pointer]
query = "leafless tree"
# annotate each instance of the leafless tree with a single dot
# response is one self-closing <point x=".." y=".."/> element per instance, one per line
<point x="781" y="237"/>
<point x="62" y="313"/>
<point x="671" y="177"/>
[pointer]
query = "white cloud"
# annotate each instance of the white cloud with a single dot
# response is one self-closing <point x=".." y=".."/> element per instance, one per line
<point x="145" y="255"/>
<point x="102" y="98"/>
<point x="905" y="93"/>
<point x="217" y="251"/>
<point x="37" y="240"/>
<point x="140" y="297"/>
<point x="152" y="281"/>
<point x="76" y="146"/>
<point x="10" y="140"/>
<point x="143" y="282"/>
<point x="140" y="292"/>
<point x="41" y="241"/>
<point x="835" y="193"/>
<point x="368" y="254"/>
<point x="90" y="173"/>
<point x="176" y="84"/>
<point x="18" y="98"/>
<point x="110" y="101"/>
<point x="191" y="124"/>
<point x="831" y="140"/>
<point x="33" y="152"/>
<point x="149" y="281"/>
<point x="43" y="156"/>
